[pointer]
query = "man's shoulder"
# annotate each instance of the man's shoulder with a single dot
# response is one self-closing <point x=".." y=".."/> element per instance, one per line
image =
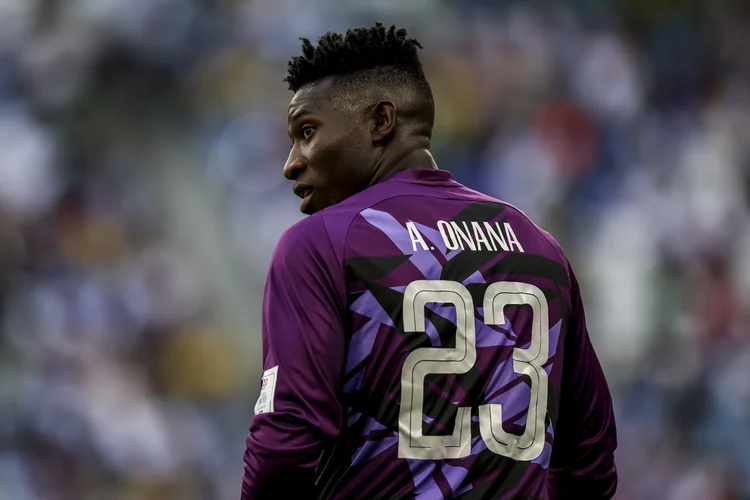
<point x="521" y="218"/>
<point x="318" y="235"/>
<point x="324" y="233"/>
<point x="303" y="238"/>
<point x="304" y="229"/>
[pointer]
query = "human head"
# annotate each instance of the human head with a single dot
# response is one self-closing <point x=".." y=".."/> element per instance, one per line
<point x="361" y="104"/>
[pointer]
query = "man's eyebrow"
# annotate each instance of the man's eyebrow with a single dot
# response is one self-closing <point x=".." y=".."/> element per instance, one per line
<point x="298" y="113"/>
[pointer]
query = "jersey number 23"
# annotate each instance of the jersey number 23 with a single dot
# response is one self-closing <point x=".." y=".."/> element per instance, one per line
<point x="421" y="362"/>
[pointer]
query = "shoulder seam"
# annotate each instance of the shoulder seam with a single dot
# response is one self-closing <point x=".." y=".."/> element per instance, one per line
<point x="330" y="242"/>
<point x="342" y="297"/>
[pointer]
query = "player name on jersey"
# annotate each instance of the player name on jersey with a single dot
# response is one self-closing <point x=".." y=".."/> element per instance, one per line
<point x="476" y="236"/>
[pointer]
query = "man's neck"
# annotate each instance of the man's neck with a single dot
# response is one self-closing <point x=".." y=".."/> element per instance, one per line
<point x="416" y="158"/>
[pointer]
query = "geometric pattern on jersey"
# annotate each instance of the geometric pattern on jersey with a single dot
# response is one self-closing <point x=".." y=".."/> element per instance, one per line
<point x="376" y="281"/>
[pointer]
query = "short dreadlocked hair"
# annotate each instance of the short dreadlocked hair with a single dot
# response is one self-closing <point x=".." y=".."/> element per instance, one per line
<point x="361" y="54"/>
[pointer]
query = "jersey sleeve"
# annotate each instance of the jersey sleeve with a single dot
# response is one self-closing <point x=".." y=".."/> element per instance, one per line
<point x="298" y="412"/>
<point x="582" y="463"/>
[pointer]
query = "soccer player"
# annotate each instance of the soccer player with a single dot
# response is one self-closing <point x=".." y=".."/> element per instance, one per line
<point x="420" y="339"/>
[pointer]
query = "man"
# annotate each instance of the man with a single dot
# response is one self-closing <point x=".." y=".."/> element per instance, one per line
<point x="420" y="339"/>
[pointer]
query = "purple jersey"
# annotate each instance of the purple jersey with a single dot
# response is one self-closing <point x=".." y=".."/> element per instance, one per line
<point x="423" y="340"/>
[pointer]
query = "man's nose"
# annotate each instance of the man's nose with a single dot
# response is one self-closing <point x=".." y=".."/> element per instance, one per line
<point x="294" y="166"/>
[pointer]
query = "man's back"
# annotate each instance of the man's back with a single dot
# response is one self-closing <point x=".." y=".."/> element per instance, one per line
<point x="462" y="367"/>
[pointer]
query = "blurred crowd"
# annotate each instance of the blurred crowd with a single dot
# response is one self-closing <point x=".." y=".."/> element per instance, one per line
<point x="141" y="147"/>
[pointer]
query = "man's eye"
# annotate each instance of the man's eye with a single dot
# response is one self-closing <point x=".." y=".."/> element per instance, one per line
<point x="306" y="131"/>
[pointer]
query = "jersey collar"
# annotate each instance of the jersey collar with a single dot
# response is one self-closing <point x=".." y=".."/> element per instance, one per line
<point x="423" y="176"/>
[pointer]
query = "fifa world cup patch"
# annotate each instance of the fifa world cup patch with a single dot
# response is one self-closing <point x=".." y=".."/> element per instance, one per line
<point x="267" y="390"/>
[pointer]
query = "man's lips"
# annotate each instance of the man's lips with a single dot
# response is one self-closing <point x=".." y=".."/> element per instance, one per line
<point x="302" y="190"/>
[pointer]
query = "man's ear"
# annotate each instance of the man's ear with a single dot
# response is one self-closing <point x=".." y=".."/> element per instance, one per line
<point x="382" y="121"/>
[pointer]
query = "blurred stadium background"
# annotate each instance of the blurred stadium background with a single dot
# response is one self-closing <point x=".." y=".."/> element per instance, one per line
<point x="141" y="147"/>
